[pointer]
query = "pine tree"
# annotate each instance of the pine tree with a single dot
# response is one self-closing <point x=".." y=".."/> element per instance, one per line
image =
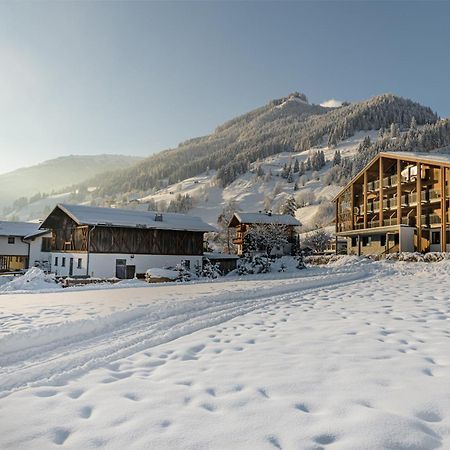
<point x="290" y="177"/>
<point x="289" y="206"/>
<point x="296" y="166"/>
<point x="337" y="158"/>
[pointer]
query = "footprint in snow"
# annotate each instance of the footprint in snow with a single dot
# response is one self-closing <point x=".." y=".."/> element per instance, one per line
<point x="59" y="435"/>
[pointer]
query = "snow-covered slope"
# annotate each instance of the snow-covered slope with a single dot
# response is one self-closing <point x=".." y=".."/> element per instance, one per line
<point x="250" y="191"/>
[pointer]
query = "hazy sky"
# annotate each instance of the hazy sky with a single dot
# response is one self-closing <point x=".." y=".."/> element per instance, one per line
<point x="138" y="77"/>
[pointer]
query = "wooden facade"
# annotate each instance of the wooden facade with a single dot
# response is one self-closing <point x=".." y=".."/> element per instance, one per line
<point x="69" y="236"/>
<point x="396" y="191"/>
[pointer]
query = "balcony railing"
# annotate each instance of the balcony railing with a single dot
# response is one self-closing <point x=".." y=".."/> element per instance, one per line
<point x="373" y="224"/>
<point x="391" y="221"/>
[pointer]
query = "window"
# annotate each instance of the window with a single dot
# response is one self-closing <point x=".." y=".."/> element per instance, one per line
<point x="79" y="263"/>
<point x="46" y="245"/>
<point x="383" y="240"/>
<point x="11" y="239"/>
<point x="354" y="242"/>
<point x="56" y="260"/>
<point x="435" y="237"/>
<point x="366" y="240"/>
<point x="63" y="262"/>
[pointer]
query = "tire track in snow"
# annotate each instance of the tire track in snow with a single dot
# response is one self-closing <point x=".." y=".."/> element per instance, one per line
<point x="55" y="354"/>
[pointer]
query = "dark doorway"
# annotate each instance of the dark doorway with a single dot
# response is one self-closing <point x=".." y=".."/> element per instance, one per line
<point x="131" y="270"/>
<point x="71" y="267"/>
<point x="121" y="268"/>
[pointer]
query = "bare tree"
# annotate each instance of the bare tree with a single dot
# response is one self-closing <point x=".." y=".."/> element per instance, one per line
<point x="266" y="237"/>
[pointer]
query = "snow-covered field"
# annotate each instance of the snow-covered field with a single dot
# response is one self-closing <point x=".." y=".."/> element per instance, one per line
<point x="349" y="356"/>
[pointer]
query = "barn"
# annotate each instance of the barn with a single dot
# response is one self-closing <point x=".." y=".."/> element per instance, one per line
<point x="108" y="242"/>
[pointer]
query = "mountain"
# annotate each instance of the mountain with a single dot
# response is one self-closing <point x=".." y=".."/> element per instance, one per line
<point x="259" y="160"/>
<point x="55" y="174"/>
<point x="288" y="124"/>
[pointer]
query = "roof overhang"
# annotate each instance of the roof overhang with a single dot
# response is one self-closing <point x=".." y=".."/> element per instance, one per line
<point x="372" y="231"/>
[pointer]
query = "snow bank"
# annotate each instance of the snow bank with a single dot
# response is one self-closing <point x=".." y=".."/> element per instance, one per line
<point x="33" y="280"/>
<point x="162" y="273"/>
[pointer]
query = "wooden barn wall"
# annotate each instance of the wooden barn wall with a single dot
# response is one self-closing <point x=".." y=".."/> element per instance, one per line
<point x="66" y="235"/>
<point x="145" y="241"/>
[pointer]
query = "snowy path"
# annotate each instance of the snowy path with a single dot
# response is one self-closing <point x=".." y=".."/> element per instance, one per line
<point x="60" y="352"/>
<point x="358" y="359"/>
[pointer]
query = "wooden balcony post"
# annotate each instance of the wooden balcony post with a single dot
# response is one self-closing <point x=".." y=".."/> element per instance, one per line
<point x="365" y="198"/>
<point x="442" y="178"/>
<point x="352" y="205"/>
<point x="399" y="193"/>
<point x="337" y="215"/>
<point x="419" y="207"/>
<point x="381" y="215"/>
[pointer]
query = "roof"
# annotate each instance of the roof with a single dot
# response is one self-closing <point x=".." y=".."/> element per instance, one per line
<point x="126" y="218"/>
<point x="420" y="156"/>
<point x="21" y="229"/>
<point x="424" y="157"/>
<point x="263" y="218"/>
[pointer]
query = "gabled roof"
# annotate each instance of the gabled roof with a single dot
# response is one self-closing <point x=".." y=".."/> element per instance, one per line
<point x="263" y="218"/>
<point x="21" y="229"/>
<point x="414" y="157"/>
<point x="126" y="218"/>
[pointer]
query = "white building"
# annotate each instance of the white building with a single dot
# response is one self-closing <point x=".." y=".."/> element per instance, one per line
<point x="111" y="242"/>
<point x="23" y="245"/>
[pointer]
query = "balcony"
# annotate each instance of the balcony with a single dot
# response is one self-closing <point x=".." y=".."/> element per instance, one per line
<point x="390" y="221"/>
<point x="430" y="219"/>
<point x="373" y="224"/>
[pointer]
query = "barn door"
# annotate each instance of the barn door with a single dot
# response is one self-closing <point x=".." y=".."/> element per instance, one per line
<point x="131" y="270"/>
<point x="121" y="268"/>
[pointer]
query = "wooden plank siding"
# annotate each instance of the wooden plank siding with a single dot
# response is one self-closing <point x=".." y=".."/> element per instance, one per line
<point x="67" y="236"/>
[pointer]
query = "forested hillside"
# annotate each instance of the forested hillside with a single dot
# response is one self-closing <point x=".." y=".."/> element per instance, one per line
<point x="289" y="124"/>
<point x="52" y="175"/>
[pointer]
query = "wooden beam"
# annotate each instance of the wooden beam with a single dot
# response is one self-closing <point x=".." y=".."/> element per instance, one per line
<point x="365" y="198"/>
<point x="380" y="168"/>
<point x="442" y="179"/>
<point x="352" y="205"/>
<point x="399" y="193"/>
<point x="337" y="215"/>
<point x="419" y="206"/>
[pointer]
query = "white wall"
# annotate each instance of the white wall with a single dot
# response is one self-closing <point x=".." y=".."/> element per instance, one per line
<point x="103" y="265"/>
<point x="19" y="248"/>
<point x="63" y="271"/>
<point x="38" y="257"/>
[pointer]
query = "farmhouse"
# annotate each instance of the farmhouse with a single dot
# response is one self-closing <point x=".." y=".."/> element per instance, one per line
<point x="22" y="245"/>
<point x="108" y="242"/>
<point x="398" y="202"/>
<point x="244" y="222"/>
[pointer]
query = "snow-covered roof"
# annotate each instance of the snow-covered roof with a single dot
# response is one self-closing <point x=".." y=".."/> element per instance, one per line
<point x="20" y="229"/>
<point x="114" y="217"/>
<point x="422" y="156"/>
<point x="265" y="218"/>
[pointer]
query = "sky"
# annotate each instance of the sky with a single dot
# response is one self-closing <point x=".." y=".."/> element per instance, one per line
<point x="139" y="77"/>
